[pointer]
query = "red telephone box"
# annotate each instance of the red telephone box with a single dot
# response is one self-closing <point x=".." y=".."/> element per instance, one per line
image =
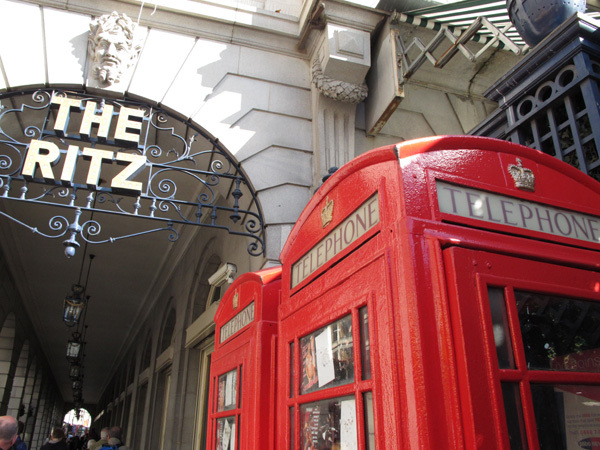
<point x="443" y="293"/>
<point x="242" y="373"/>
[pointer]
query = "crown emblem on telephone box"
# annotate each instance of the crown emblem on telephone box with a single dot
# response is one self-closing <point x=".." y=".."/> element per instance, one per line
<point x="236" y="299"/>
<point x="523" y="177"/>
<point x="327" y="212"/>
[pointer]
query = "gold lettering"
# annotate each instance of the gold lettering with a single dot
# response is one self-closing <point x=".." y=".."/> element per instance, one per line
<point x="68" y="171"/>
<point x="96" y="156"/>
<point x="45" y="160"/>
<point x="90" y="118"/>
<point x="62" y="117"/>
<point x="125" y="125"/>
<point x="123" y="179"/>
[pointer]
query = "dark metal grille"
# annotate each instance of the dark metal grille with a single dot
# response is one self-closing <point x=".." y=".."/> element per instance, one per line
<point x="560" y="115"/>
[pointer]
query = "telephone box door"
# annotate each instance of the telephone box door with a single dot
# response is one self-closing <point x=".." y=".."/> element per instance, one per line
<point x="228" y="383"/>
<point x="340" y="350"/>
<point x="527" y="340"/>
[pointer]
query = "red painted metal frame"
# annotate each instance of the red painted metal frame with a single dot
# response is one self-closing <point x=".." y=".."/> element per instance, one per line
<point x="429" y="407"/>
<point x="470" y="273"/>
<point x="251" y="351"/>
<point x="435" y="380"/>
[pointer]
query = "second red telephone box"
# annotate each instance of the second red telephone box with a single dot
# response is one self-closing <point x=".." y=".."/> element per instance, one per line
<point x="242" y="373"/>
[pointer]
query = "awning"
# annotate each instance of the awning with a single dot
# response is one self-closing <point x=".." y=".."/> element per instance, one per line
<point x="459" y="16"/>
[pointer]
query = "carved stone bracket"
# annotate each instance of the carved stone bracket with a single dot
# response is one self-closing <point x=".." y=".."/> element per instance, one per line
<point x="338" y="90"/>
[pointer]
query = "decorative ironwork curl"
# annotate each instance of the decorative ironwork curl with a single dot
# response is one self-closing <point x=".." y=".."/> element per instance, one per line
<point x="167" y="186"/>
<point x="256" y="248"/>
<point x="56" y="191"/>
<point x="161" y="117"/>
<point x="59" y="223"/>
<point x="11" y="164"/>
<point x="33" y="132"/>
<point x="253" y="226"/>
<point x="166" y="206"/>
<point x="104" y="197"/>
<point x="90" y="228"/>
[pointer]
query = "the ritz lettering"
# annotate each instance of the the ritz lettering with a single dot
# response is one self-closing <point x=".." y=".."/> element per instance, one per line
<point x="44" y="155"/>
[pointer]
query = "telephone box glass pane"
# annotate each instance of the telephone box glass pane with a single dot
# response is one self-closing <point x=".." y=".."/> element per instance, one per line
<point x="500" y="328"/>
<point x="226" y="434"/>
<point x="514" y="417"/>
<point x="559" y="333"/>
<point x="365" y="350"/>
<point x="227" y="391"/>
<point x="327" y="356"/>
<point x="292" y="429"/>
<point x="329" y="424"/>
<point x="369" y="422"/>
<point x="238" y="391"/>
<point x="292" y="371"/>
<point x="567" y="416"/>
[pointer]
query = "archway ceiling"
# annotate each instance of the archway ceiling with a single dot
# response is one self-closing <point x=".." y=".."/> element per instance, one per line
<point x="126" y="276"/>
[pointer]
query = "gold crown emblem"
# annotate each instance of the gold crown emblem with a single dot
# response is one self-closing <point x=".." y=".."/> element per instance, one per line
<point x="235" y="300"/>
<point x="524" y="178"/>
<point x="327" y="212"/>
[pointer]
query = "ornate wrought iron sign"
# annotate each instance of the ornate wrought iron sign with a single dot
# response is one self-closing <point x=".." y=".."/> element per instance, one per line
<point x="88" y="154"/>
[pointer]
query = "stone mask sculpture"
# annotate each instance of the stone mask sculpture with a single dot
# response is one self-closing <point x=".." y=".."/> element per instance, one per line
<point x="112" y="47"/>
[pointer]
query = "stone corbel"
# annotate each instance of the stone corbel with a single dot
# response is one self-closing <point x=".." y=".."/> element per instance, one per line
<point x="338" y="90"/>
<point x="342" y="62"/>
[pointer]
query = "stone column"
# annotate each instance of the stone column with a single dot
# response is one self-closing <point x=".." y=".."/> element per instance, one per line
<point x="28" y="401"/>
<point x="37" y="427"/>
<point x="339" y="66"/>
<point x="7" y="367"/>
<point x="18" y="387"/>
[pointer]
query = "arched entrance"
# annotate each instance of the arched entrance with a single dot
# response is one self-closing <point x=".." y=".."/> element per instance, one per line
<point x="252" y="100"/>
<point x="94" y="154"/>
<point x="126" y="187"/>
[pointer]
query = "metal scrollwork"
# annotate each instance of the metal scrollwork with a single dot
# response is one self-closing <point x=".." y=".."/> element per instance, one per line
<point x="179" y="174"/>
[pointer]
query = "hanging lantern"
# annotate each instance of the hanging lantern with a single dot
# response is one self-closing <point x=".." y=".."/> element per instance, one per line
<point x="74" y="347"/>
<point x="77" y="385"/>
<point x="73" y="305"/>
<point x="76" y="372"/>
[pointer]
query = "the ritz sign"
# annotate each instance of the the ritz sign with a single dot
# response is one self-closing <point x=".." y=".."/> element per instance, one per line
<point x="45" y="156"/>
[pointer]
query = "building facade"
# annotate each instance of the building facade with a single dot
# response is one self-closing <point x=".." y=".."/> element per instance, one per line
<point x="287" y="89"/>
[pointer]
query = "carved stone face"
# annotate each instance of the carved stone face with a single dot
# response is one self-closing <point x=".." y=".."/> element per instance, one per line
<point x="111" y="56"/>
<point x="112" y="48"/>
